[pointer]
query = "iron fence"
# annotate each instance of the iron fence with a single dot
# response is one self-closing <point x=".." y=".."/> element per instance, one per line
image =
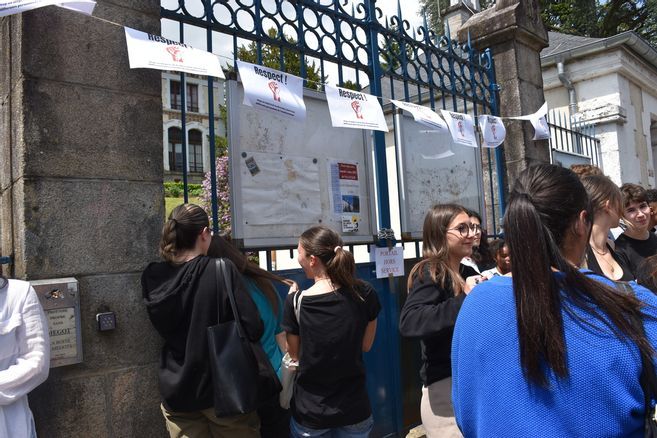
<point x="572" y="143"/>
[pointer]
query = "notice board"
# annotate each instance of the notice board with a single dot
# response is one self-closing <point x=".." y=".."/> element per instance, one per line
<point x="432" y="169"/>
<point x="287" y="175"/>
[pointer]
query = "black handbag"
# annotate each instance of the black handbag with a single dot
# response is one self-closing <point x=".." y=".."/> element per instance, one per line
<point x="242" y="376"/>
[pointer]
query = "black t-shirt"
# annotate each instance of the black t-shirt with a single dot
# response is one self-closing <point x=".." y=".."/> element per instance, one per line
<point x="330" y="389"/>
<point x="594" y="266"/>
<point x="635" y="250"/>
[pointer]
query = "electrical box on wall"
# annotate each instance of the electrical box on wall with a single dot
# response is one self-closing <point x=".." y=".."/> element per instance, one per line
<point x="61" y="303"/>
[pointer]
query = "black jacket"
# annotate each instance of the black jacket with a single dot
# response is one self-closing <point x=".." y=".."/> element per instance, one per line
<point x="429" y="314"/>
<point x="182" y="302"/>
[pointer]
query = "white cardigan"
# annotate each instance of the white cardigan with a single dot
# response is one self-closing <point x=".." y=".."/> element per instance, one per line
<point x="24" y="356"/>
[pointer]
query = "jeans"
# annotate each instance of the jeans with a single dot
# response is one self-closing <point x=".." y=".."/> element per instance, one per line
<point x="358" y="430"/>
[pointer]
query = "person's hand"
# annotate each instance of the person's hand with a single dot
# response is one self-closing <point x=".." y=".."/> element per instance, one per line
<point x="471" y="282"/>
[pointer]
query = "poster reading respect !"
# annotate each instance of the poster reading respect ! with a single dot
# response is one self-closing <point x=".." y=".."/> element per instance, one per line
<point x="17" y="6"/>
<point x="353" y="109"/>
<point x="422" y="114"/>
<point x="272" y="90"/>
<point x="461" y="126"/>
<point x="153" y="51"/>
<point x="493" y="131"/>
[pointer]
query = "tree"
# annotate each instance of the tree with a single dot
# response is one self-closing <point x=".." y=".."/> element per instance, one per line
<point x="271" y="57"/>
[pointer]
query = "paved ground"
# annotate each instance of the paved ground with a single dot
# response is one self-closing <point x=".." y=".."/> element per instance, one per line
<point x="418" y="432"/>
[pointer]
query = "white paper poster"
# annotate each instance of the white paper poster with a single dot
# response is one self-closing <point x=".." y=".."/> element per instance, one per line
<point x="153" y="51"/>
<point x="493" y="131"/>
<point x="423" y="115"/>
<point x="461" y="126"/>
<point x="538" y="121"/>
<point x="353" y="109"/>
<point x="345" y="193"/>
<point x="11" y="7"/>
<point x="388" y="261"/>
<point x="272" y="90"/>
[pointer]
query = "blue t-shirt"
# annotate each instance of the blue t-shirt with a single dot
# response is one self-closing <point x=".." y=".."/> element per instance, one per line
<point x="271" y="321"/>
<point x="601" y="396"/>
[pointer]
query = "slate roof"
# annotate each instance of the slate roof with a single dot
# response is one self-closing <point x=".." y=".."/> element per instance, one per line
<point x="560" y="42"/>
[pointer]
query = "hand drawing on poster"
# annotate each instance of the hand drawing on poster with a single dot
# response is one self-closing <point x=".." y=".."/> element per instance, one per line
<point x="345" y="193"/>
<point x="493" y="131"/>
<point x="461" y="126"/>
<point x="353" y="109"/>
<point x="280" y="189"/>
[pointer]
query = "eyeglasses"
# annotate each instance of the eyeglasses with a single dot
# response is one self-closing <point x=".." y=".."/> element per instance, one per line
<point x="464" y="229"/>
<point x="633" y="211"/>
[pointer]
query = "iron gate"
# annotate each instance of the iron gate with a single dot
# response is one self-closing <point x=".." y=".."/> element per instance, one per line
<point x="389" y="58"/>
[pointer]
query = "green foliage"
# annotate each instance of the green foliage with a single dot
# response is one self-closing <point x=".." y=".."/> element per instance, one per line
<point x="271" y="57"/>
<point x="350" y="85"/>
<point x="221" y="146"/>
<point x="174" y="189"/>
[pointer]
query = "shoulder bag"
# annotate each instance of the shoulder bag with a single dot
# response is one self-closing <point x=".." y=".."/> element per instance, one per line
<point x="242" y="376"/>
<point x="289" y="367"/>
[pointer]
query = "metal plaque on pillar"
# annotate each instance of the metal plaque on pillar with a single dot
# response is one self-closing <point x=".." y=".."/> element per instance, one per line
<point x="61" y="303"/>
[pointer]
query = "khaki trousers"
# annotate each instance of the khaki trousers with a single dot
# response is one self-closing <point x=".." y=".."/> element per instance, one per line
<point x="204" y="424"/>
<point x="437" y="412"/>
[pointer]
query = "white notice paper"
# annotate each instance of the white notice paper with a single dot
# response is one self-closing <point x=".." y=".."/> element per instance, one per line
<point x="10" y="7"/>
<point x="153" y="51"/>
<point x="493" y="131"/>
<point x="461" y="126"/>
<point x="345" y="193"/>
<point x="389" y="261"/>
<point x="272" y="90"/>
<point x="353" y="109"/>
<point x="538" y="121"/>
<point x="423" y="115"/>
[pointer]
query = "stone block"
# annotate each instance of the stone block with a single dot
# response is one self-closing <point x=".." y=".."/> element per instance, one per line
<point x="5" y="58"/>
<point x="135" y="403"/>
<point x="83" y="132"/>
<point x="134" y="341"/>
<point x="65" y="408"/>
<point x="149" y="7"/>
<point x="86" y="51"/>
<point x="5" y="144"/>
<point x="85" y="227"/>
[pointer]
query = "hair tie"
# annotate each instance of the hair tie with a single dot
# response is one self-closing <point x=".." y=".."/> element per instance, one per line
<point x="335" y="250"/>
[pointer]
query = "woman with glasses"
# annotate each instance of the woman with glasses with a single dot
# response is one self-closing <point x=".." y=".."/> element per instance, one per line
<point x="551" y="351"/>
<point x="481" y="258"/>
<point x="436" y="292"/>
<point x="637" y="242"/>
<point x="607" y="204"/>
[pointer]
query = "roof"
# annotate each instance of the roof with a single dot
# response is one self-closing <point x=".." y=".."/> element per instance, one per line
<point x="560" y="42"/>
<point x="563" y="47"/>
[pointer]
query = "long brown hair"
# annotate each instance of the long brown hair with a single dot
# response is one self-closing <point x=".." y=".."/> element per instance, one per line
<point x="325" y="244"/>
<point x="435" y="251"/>
<point x="221" y="247"/>
<point x="601" y="189"/>
<point x="544" y="205"/>
<point x="180" y="231"/>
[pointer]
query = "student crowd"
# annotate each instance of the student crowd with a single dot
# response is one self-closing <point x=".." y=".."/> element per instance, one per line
<point x="547" y="330"/>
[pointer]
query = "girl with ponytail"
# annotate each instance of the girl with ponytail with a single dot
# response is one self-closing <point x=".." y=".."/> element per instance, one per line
<point x="552" y="350"/>
<point x="328" y="326"/>
<point x="184" y="295"/>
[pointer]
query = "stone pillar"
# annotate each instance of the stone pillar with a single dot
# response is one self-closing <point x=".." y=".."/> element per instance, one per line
<point x="513" y="30"/>
<point x="81" y="196"/>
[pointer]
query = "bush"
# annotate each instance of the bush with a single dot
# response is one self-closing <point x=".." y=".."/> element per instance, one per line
<point x="173" y="189"/>
<point x="223" y="194"/>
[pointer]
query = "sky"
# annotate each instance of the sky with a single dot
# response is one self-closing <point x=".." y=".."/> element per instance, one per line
<point x="223" y="46"/>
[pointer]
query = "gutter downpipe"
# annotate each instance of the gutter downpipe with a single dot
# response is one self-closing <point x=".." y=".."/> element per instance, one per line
<point x="572" y="95"/>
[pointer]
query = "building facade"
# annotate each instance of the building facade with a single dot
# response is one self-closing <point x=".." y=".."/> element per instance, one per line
<point x="610" y="83"/>
<point x="197" y="126"/>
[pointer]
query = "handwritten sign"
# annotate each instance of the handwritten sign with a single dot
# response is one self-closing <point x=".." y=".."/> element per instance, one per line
<point x="389" y="261"/>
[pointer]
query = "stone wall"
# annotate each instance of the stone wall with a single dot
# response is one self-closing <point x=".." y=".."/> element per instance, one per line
<point x="81" y="196"/>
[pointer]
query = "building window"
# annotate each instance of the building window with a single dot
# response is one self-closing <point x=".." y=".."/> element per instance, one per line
<point x="195" y="151"/>
<point x="191" y="96"/>
<point x="175" y="149"/>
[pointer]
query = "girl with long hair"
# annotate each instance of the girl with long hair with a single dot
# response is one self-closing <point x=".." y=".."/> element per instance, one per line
<point x="480" y="259"/>
<point x="274" y="420"/>
<point x="607" y="204"/>
<point x="183" y="297"/>
<point x="551" y="351"/>
<point x="436" y="292"/>
<point x="329" y="326"/>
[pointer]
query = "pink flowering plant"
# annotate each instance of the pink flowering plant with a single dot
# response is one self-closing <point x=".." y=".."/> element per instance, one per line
<point x="223" y="194"/>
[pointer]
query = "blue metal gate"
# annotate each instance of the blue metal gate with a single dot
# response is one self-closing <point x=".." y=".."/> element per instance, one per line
<point x="393" y="60"/>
